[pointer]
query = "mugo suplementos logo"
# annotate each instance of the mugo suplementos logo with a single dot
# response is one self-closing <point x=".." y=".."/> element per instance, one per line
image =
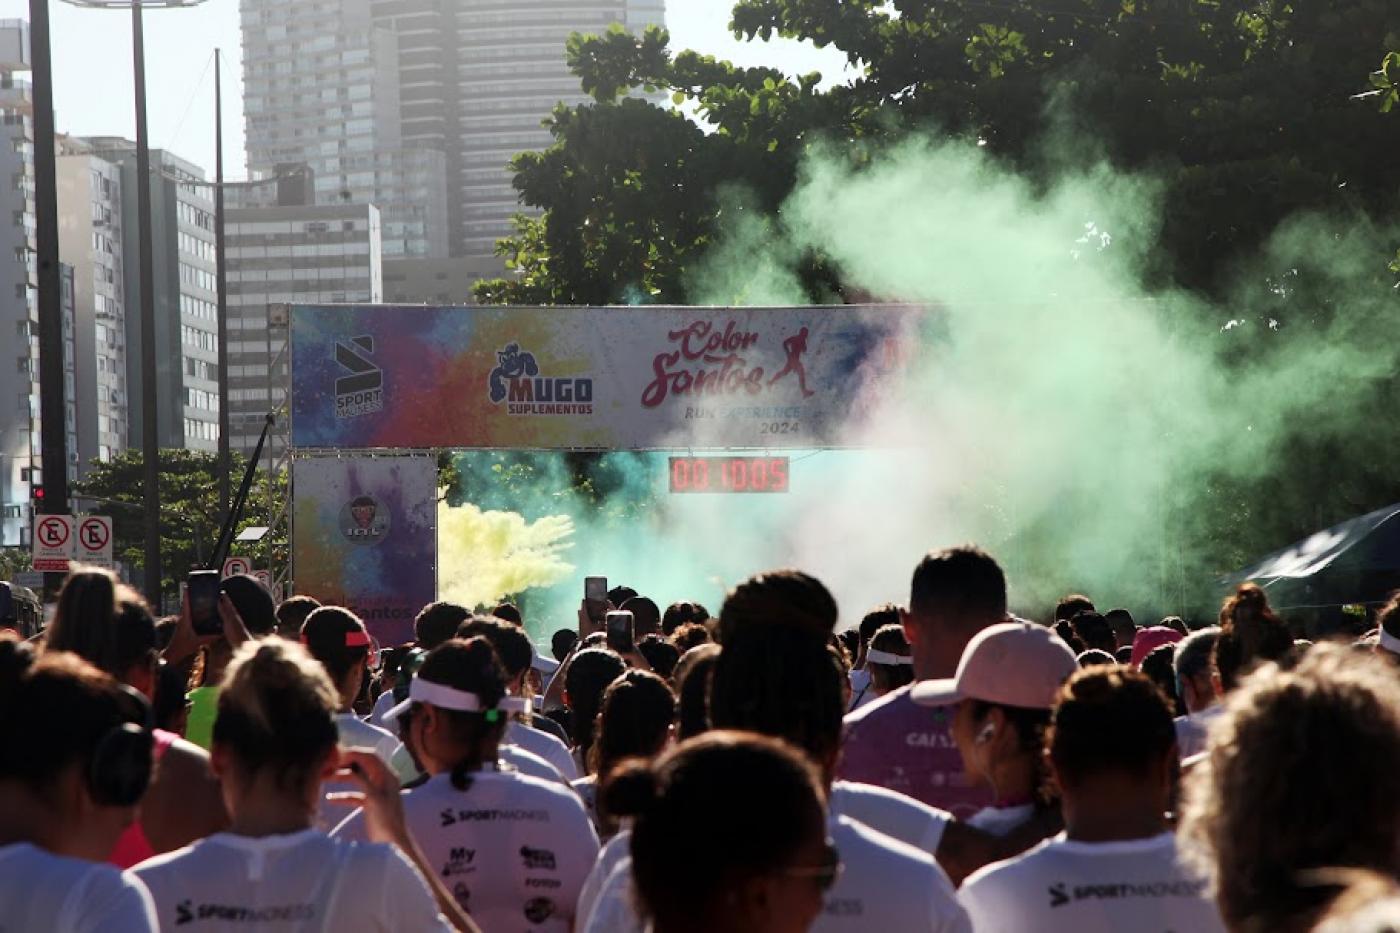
<point x="518" y="382"/>
<point x="359" y="390"/>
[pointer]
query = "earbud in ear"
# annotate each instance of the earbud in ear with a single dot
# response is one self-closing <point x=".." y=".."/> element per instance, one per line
<point x="988" y="733"/>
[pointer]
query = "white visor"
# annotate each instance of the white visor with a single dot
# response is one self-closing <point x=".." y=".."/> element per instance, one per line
<point x="445" y="697"/>
<point x="884" y="657"/>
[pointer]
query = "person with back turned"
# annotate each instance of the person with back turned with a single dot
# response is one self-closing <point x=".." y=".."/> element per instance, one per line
<point x="897" y="744"/>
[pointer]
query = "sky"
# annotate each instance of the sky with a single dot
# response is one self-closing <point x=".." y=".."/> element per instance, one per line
<point x="93" y="81"/>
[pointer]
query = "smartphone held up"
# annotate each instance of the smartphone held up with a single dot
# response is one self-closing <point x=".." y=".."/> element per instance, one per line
<point x="621" y="629"/>
<point x="203" y="589"/>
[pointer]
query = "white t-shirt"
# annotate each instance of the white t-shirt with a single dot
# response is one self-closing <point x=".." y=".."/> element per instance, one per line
<point x="894" y="814"/>
<point x="544" y="745"/>
<point x="513" y="849"/>
<point x="1193" y="730"/>
<point x="1000" y="821"/>
<point x="43" y="891"/>
<point x="587" y="790"/>
<point x="884" y="885"/>
<point x="356" y="733"/>
<point x="512" y="755"/>
<point x="382" y="704"/>
<point x="300" y="882"/>
<point x="861" y="693"/>
<point x="1062" y="886"/>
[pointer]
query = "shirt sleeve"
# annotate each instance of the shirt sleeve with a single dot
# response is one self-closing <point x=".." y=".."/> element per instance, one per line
<point x="979" y="906"/>
<point x="614" y="911"/>
<point x="408" y="902"/>
<point x="606" y="860"/>
<point x="110" y="902"/>
<point x="949" y="915"/>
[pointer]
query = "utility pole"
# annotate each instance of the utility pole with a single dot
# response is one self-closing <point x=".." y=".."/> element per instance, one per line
<point x="150" y="433"/>
<point x="52" y="402"/>
<point x="225" y="462"/>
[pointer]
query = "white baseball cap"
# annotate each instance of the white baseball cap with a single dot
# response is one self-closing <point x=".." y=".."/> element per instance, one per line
<point x="1011" y="664"/>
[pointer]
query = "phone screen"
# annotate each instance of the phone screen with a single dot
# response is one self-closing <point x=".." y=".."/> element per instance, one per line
<point x="620" y="632"/>
<point x="595" y="589"/>
<point x="203" y="588"/>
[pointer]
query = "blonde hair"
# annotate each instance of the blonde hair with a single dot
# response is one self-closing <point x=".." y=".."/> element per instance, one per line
<point x="277" y="710"/>
<point x="1298" y="777"/>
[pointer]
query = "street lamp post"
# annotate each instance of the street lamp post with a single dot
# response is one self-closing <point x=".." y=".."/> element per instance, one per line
<point x="53" y="410"/>
<point x="150" y="437"/>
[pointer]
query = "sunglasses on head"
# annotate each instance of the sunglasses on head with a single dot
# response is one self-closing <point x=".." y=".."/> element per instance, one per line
<point x="825" y="874"/>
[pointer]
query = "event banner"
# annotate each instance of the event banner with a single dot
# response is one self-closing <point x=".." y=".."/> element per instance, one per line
<point x="364" y="535"/>
<point x="372" y="376"/>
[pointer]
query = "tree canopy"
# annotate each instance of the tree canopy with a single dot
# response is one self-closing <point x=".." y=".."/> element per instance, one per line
<point x="1248" y="112"/>
<point x="190" y="515"/>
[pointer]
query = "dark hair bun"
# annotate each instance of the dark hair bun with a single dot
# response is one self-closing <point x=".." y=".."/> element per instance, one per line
<point x="631" y="789"/>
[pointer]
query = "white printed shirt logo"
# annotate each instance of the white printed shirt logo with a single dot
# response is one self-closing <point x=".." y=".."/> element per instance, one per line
<point x="1061" y="894"/>
<point x="537" y="859"/>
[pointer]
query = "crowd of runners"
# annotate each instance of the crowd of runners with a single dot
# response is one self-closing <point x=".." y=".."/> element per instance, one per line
<point x="942" y="765"/>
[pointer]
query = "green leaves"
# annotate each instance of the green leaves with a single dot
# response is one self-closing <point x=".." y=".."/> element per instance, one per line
<point x="1245" y="114"/>
<point x="1386" y="83"/>
<point x="190" y="516"/>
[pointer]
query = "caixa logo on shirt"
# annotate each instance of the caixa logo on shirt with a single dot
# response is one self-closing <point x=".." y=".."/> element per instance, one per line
<point x="359" y="390"/>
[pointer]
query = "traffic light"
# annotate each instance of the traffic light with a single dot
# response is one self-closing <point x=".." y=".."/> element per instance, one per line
<point x="38" y="493"/>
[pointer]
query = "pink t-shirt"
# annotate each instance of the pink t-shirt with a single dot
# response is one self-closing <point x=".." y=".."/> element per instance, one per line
<point x="901" y="746"/>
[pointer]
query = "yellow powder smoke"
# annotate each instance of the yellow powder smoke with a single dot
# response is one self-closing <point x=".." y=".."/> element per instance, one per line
<point x="486" y="556"/>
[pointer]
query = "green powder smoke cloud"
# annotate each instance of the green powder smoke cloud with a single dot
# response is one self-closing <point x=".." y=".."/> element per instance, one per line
<point x="1073" y="420"/>
<point x="1058" y="410"/>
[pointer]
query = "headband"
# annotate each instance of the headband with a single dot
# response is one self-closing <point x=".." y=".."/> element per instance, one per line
<point x="445" y="697"/>
<point x="875" y="656"/>
<point x="1389" y="642"/>
<point x="355" y="638"/>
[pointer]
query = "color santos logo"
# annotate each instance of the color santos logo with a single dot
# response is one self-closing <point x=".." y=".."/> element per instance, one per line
<point x="517" y="382"/>
<point x="364" y="521"/>
<point x="360" y="390"/>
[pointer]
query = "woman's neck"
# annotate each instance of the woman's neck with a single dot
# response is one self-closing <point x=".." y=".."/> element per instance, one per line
<point x="1013" y="781"/>
<point x="24" y="818"/>
<point x="264" y="809"/>
<point x="483" y="756"/>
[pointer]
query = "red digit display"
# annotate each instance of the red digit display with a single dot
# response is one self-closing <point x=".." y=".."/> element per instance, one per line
<point x="730" y="474"/>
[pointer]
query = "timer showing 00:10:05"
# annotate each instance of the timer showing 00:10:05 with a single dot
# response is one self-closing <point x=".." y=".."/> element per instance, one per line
<point x="730" y="474"/>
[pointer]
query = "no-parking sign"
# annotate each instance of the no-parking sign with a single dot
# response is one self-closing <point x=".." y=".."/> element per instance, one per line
<point x="93" y="541"/>
<point x="237" y="567"/>
<point x="53" y="543"/>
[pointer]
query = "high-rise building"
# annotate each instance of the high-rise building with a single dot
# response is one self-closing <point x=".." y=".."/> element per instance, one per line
<point x="279" y="255"/>
<point x="321" y="87"/>
<point x="90" y="240"/>
<point x="21" y="446"/>
<point x="19" y="314"/>
<point x="478" y="77"/>
<point x="186" y="300"/>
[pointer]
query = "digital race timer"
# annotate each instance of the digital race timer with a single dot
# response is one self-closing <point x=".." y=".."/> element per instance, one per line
<point x="729" y="474"/>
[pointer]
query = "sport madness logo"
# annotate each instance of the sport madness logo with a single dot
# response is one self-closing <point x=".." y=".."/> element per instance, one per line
<point x="360" y="391"/>
<point x="517" y="382"/>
